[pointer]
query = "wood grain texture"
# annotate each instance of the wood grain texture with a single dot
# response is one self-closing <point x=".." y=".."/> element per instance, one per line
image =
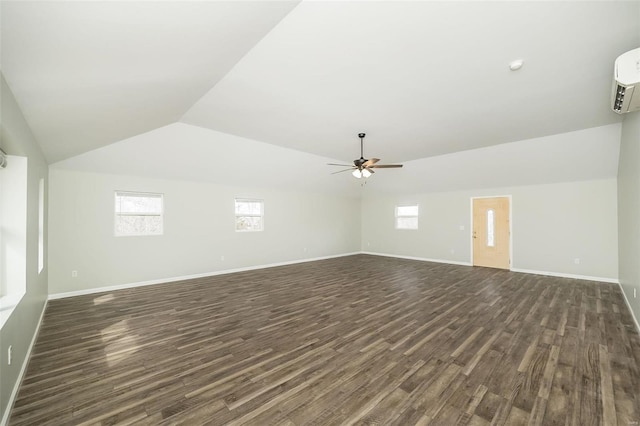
<point x="354" y="340"/>
<point x="496" y="255"/>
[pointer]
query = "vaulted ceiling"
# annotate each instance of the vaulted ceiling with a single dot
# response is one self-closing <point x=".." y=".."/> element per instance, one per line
<point x="421" y="78"/>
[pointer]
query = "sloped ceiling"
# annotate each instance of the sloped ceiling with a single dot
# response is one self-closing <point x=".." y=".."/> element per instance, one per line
<point x="565" y="157"/>
<point x="168" y="153"/>
<point x="422" y="79"/>
<point x="87" y="74"/>
<point x="225" y="159"/>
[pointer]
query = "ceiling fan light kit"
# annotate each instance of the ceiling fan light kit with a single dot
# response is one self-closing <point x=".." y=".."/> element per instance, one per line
<point x="364" y="173"/>
<point x="363" y="167"/>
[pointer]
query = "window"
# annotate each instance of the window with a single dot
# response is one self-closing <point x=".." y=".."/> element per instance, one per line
<point x="138" y="213"/>
<point x="41" y="226"/>
<point x="249" y="215"/>
<point x="490" y="228"/>
<point x="13" y="234"/>
<point x="407" y="217"/>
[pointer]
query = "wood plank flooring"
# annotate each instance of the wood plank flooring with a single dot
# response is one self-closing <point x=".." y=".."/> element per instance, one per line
<point x="355" y="340"/>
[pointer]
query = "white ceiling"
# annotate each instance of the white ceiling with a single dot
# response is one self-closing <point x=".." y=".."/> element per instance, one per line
<point x="167" y="153"/>
<point x="225" y="159"/>
<point x="87" y="74"/>
<point x="422" y="79"/>
<point x="567" y="157"/>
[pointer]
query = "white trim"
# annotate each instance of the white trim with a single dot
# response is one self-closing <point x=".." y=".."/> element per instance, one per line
<point x="422" y="259"/>
<point x="629" y="307"/>
<point x="563" y="275"/>
<point x="524" y="271"/>
<point x="510" y="226"/>
<point x="23" y="370"/>
<point x="293" y="262"/>
<point x="189" y="277"/>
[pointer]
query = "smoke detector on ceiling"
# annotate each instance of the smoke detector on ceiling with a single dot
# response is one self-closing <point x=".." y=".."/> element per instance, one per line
<point x="516" y="65"/>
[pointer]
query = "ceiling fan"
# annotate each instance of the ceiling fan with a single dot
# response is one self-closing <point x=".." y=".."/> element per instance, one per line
<point x="363" y="167"/>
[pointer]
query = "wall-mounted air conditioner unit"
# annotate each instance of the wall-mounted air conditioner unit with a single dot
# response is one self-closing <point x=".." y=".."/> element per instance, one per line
<point x="626" y="83"/>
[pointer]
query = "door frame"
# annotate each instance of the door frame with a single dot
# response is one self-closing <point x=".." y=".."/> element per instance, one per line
<point x="510" y="226"/>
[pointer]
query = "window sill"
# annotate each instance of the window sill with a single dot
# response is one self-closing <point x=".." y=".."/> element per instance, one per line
<point x="8" y="304"/>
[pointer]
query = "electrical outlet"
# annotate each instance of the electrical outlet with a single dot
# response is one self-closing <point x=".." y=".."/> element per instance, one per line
<point x="453" y="251"/>
<point x="9" y="355"/>
<point x="462" y="227"/>
<point x="74" y="274"/>
<point x="634" y="293"/>
<point x="304" y="249"/>
<point x="222" y="258"/>
<point x="576" y="260"/>
<point x="368" y="243"/>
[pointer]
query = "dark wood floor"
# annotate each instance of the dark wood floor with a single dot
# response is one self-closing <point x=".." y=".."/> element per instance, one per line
<point x="361" y="339"/>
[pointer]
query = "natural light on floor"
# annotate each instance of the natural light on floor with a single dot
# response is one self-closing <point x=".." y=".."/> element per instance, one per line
<point x="118" y="343"/>
<point x="103" y="299"/>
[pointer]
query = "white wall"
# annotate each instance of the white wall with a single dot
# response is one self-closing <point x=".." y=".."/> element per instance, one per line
<point x="551" y="225"/>
<point x="198" y="229"/>
<point x="20" y="328"/>
<point x="629" y="210"/>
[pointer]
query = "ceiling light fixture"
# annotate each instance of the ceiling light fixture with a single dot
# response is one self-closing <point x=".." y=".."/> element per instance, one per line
<point x="363" y="167"/>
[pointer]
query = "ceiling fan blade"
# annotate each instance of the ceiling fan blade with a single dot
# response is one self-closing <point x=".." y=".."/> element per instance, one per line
<point x="343" y="165"/>
<point x="370" y="162"/>
<point x="386" y="166"/>
<point x="369" y="168"/>
<point x="345" y="170"/>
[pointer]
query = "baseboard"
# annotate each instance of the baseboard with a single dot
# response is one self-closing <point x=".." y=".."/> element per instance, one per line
<point x="630" y="310"/>
<point x="189" y="277"/>
<point x="422" y="259"/>
<point x="23" y="370"/>
<point x="526" y="271"/>
<point x="563" y="275"/>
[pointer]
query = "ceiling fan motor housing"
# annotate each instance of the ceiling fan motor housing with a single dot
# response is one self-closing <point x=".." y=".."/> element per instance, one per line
<point x="360" y="161"/>
<point x="362" y="166"/>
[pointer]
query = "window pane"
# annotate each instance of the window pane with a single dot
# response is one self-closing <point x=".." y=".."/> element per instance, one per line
<point x="407" y="211"/>
<point x="490" y="228"/>
<point x="138" y="203"/>
<point x="248" y="207"/>
<point x="407" y="223"/>
<point x="41" y="227"/>
<point x="138" y="225"/>
<point x="248" y="223"/>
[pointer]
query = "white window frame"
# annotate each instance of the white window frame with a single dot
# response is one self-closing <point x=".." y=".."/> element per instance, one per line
<point x="398" y="215"/>
<point x="236" y="215"/>
<point x="138" y="194"/>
